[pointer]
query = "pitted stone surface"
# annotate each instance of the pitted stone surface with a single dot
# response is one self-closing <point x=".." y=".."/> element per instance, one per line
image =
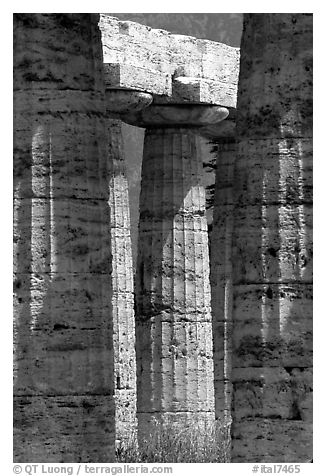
<point x="270" y="437"/>
<point x="54" y="417"/>
<point x="272" y="245"/>
<point x="173" y="320"/>
<point x="122" y="285"/>
<point x="137" y="47"/>
<point x="63" y="349"/>
<point x="131" y="77"/>
<point x="198" y="91"/>
<point x="221" y="275"/>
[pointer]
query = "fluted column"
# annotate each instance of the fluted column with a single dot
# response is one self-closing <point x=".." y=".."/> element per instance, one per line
<point x="272" y="246"/>
<point x="173" y="320"/>
<point x="221" y="278"/>
<point x="63" y="352"/>
<point x="117" y="102"/>
<point x="222" y="139"/>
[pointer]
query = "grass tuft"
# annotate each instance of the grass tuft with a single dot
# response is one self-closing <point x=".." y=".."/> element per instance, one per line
<point x="166" y="444"/>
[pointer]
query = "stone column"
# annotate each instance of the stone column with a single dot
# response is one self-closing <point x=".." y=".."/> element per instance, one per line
<point x="173" y="320"/>
<point x="272" y="246"/>
<point x="222" y="137"/>
<point x="118" y="102"/>
<point x="63" y="352"/>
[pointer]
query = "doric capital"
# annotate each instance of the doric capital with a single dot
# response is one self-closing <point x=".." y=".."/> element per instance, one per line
<point x="222" y="132"/>
<point x="177" y="115"/>
<point x="122" y="101"/>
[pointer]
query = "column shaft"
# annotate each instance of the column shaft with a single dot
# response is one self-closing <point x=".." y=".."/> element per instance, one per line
<point x="63" y="393"/>
<point x="272" y="246"/>
<point x="122" y="286"/>
<point x="221" y="277"/>
<point x="173" y="321"/>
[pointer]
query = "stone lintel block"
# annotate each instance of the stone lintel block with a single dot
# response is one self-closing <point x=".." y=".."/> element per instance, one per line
<point x="128" y="42"/>
<point x="129" y="76"/>
<point x="200" y="91"/>
<point x="64" y="429"/>
<point x="270" y="440"/>
<point x="166" y="115"/>
<point x="219" y="61"/>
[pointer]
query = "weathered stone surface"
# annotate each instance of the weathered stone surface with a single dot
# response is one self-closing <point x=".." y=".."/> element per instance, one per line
<point x="78" y="238"/>
<point x="120" y="101"/>
<point x="281" y="51"/>
<point x="272" y="440"/>
<point x="283" y="174"/>
<point x="199" y="91"/>
<point x="220" y="131"/>
<point x="60" y="429"/>
<point x="63" y="359"/>
<point x="132" y="77"/>
<point x="173" y="321"/>
<point x="176" y="367"/>
<point x="273" y="392"/>
<point x="122" y="280"/>
<point x="272" y="325"/>
<point x="278" y="246"/>
<point x="140" y="47"/>
<point x="221" y="275"/>
<point x="61" y="131"/>
<point x="66" y="53"/>
<point x="272" y="244"/>
<point x="158" y="115"/>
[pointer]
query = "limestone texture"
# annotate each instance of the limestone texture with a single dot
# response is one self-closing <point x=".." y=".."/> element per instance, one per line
<point x="121" y="101"/>
<point x="122" y="286"/>
<point x="63" y="348"/>
<point x="133" y="77"/>
<point x="167" y="115"/>
<point x="172" y="61"/>
<point x="173" y="318"/>
<point x="221" y="276"/>
<point x="272" y="242"/>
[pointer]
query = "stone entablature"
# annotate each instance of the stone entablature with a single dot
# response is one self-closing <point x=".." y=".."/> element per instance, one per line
<point x="174" y="68"/>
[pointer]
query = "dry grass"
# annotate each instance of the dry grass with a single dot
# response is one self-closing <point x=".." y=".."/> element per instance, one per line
<point x="165" y="444"/>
